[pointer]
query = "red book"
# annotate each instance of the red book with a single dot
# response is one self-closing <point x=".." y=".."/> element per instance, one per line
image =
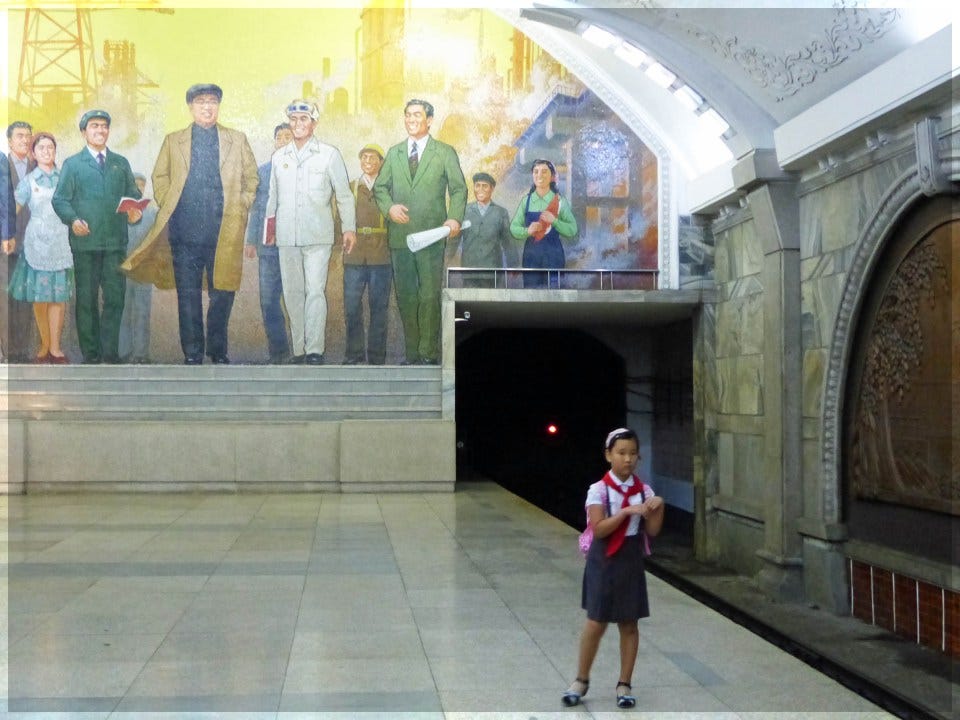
<point x="128" y="203"/>
<point x="554" y="209"/>
<point x="270" y="231"/>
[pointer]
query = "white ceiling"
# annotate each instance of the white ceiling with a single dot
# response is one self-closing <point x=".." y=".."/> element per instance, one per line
<point x="759" y="65"/>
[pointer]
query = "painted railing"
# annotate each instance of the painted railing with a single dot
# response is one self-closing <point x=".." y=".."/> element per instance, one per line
<point x="553" y="278"/>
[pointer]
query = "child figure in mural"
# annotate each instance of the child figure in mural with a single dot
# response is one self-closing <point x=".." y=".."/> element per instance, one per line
<point x="488" y="242"/>
<point x="543" y="219"/>
<point x="622" y="511"/>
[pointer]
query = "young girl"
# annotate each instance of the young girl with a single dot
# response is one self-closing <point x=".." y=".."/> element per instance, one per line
<point x="614" y="585"/>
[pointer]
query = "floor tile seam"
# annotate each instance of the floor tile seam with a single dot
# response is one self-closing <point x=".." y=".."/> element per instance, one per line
<point x="220" y="562"/>
<point x="406" y="593"/>
<point x="487" y="579"/>
<point x="166" y="636"/>
<point x="296" y="624"/>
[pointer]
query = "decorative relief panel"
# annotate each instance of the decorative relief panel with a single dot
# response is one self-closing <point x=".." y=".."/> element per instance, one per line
<point x="785" y="75"/>
<point x="901" y="424"/>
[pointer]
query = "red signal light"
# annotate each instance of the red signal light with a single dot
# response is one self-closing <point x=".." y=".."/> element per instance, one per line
<point x="552" y="429"/>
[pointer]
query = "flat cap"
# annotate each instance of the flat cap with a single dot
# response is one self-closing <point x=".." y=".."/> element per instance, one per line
<point x="371" y="147"/>
<point x="203" y="89"/>
<point x="484" y="177"/>
<point x="90" y="115"/>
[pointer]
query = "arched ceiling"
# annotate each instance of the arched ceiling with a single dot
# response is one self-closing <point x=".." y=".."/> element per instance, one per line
<point x="758" y="66"/>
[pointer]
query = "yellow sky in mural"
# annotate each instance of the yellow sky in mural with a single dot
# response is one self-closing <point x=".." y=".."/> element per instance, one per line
<point x="261" y="55"/>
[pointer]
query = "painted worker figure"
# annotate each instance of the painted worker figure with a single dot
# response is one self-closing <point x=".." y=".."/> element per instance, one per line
<point x="92" y="183"/>
<point x="138" y="302"/>
<point x="268" y="260"/>
<point x="16" y="317"/>
<point x="307" y="175"/>
<point x="487" y="243"/>
<point x="366" y="266"/>
<point x="411" y="191"/>
<point x="204" y="182"/>
<point x="545" y="221"/>
<point x="8" y="241"/>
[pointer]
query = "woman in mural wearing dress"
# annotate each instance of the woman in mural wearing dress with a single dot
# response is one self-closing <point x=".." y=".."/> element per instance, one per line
<point x="46" y="277"/>
<point x="544" y="219"/>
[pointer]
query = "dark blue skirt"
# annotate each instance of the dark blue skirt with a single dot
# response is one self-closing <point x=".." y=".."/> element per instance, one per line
<point x="615" y="589"/>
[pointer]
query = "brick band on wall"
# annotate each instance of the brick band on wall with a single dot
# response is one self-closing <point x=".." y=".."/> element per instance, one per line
<point x="913" y="609"/>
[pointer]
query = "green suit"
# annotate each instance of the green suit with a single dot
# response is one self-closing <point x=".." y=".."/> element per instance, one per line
<point x="418" y="277"/>
<point x="88" y="193"/>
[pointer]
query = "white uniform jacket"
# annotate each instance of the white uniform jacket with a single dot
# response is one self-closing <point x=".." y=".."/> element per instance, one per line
<point x="302" y="185"/>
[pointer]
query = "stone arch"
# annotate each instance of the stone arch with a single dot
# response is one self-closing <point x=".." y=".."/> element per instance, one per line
<point x="900" y="199"/>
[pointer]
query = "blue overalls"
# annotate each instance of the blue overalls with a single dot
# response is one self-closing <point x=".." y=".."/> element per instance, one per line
<point x="546" y="253"/>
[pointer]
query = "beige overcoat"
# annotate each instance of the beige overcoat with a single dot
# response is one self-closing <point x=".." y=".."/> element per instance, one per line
<point x="152" y="262"/>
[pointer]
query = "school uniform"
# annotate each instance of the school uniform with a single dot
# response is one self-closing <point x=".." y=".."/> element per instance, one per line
<point x="615" y="588"/>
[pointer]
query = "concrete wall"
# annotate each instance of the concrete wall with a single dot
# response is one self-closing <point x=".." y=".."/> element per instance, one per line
<point x="170" y="455"/>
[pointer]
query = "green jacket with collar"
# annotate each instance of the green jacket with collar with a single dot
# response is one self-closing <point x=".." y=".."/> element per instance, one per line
<point x="87" y="193"/>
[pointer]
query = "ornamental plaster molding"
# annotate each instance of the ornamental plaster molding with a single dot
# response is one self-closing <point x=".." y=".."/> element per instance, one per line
<point x="852" y="29"/>
<point x="900" y="197"/>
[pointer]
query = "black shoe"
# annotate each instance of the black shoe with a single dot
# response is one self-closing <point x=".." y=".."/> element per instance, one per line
<point x="297" y="359"/>
<point x="193" y="360"/>
<point x="220" y="359"/>
<point x="353" y="361"/>
<point x="279" y="358"/>
<point x="314" y="359"/>
<point x="427" y="361"/>
<point x="91" y="361"/>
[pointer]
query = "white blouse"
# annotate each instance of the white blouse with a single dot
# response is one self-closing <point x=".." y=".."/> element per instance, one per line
<point x="598" y="493"/>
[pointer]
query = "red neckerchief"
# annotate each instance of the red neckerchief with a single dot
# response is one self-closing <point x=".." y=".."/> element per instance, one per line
<point x="616" y="538"/>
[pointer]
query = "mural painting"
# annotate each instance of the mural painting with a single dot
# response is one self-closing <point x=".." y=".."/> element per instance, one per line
<point x="500" y="102"/>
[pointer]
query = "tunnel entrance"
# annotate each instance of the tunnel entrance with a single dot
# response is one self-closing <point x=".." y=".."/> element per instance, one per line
<point x="532" y="409"/>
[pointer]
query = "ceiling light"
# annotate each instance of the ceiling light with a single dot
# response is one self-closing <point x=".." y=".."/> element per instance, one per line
<point x="688" y="97"/>
<point x="631" y="54"/>
<point x="660" y="75"/>
<point x="599" y="37"/>
<point x="713" y="123"/>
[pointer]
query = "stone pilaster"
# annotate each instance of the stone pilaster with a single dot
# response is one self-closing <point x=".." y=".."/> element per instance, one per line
<point x="776" y="213"/>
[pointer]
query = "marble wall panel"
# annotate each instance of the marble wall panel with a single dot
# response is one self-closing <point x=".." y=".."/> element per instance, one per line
<point x="406" y="452"/>
<point x="814" y="368"/>
<point x="748" y="462"/>
<point x="12" y="451"/>
<point x="812" y="479"/>
<point x="189" y="453"/>
<point x="740" y="326"/>
<point x="725" y="463"/>
<point x="305" y="452"/>
<point x="739" y="540"/>
<point x="740" y="385"/>
<point x="721" y="269"/>
<point x="746" y="253"/>
<point x="61" y="452"/>
<point x="833" y="216"/>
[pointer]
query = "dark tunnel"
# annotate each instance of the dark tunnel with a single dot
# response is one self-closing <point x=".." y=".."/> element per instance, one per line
<point x="533" y="408"/>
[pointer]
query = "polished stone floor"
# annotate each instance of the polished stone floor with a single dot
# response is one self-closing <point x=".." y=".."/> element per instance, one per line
<point x="440" y="606"/>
